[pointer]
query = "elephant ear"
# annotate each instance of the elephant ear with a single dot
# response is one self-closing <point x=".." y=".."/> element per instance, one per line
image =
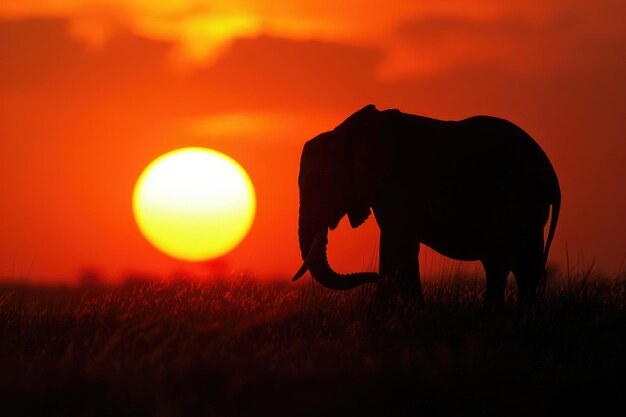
<point x="363" y="136"/>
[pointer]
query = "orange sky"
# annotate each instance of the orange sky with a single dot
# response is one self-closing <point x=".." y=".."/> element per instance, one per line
<point x="92" y="91"/>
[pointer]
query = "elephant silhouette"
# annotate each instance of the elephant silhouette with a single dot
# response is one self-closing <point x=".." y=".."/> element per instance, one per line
<point x="475" y="189"/>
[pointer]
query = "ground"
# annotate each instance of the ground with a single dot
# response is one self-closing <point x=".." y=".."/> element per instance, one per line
<point x="237" y="347"/>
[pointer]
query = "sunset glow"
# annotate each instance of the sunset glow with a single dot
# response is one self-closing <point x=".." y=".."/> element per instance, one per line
<point x="91" y="91"/>
<point x="320" y="207"/>
<point x="194" y="203"/>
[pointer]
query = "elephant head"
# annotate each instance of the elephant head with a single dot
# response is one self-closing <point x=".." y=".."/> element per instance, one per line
<point x="340" y="171"/>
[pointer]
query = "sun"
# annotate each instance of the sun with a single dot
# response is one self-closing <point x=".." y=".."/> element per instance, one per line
<point x="194" y="203"/>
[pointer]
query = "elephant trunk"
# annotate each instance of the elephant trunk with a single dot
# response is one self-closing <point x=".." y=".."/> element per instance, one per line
<point x="313" y="242"/>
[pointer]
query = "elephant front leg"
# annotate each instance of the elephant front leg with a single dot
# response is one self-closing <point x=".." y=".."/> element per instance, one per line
<point x="399" y="269"/>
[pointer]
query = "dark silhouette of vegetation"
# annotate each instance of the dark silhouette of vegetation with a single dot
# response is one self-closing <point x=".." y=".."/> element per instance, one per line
<point x="239" y="347"/>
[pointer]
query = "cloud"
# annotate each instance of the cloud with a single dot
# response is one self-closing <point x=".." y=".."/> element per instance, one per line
<point x="430" y="45"/>
<point x="265" y="73"/>
<point x="202" y="29"/>
<point x="39" y="54"/>
<point x="251" y="125"/>
<point x="269" y="72"/>
<point x="519" y="35"/>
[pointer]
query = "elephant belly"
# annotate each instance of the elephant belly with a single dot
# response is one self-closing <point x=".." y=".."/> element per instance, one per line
<point x="469" y="235"/>
<point x="456" y="247"/>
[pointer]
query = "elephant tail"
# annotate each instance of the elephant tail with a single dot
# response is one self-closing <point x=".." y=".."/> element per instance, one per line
<point x="554" y="217"/>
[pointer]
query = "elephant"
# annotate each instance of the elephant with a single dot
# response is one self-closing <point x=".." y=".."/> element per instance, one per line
<point x="475" y="189"/>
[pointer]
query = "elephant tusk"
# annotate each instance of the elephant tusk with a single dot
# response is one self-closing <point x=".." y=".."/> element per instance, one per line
<point x="316" y="245"/>
<point x="300" y="272"/>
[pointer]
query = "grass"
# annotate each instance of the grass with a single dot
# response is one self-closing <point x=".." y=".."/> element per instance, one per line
<point x="240" y="347"/>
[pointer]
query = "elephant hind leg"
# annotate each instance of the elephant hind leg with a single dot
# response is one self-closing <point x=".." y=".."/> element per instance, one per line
<point x="529" y="268"/>
<point x="496" y="271"/>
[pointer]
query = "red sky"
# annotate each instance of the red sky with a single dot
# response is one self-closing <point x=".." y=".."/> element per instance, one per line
<point x="92" y="91"/>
